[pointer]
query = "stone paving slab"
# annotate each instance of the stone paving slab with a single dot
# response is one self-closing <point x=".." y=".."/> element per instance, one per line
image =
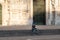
<point x="28" y="27"/>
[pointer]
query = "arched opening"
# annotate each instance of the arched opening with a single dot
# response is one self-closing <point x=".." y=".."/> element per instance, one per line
<point x="0" y="14"/>
<point x="39" y="15"/>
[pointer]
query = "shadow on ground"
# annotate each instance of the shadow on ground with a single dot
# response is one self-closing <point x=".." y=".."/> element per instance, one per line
<point x="9" y="33"/>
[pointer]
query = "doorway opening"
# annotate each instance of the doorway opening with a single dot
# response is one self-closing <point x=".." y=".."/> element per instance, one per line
<point x="0" y="14"/>
<point x="39" y="14"/>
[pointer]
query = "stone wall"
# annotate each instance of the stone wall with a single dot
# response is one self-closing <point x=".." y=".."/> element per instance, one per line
<point x="58" y="13"/>
<point x="20" y="12"/>
<point x="17" y="12"/>
<point x="52" y="12"/>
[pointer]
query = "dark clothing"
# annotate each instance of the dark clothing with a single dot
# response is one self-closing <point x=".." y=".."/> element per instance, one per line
<point x="34" y="29"/>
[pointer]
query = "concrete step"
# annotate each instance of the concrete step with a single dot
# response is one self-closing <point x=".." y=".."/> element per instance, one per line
<point x="28" y="27"/>
<point x="9" y="33"/>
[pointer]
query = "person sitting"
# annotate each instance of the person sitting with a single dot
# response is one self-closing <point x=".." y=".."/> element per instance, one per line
<point x="34" y="29"/>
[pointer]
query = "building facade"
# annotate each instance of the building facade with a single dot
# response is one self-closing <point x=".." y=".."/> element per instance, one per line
<point x="20" y="12"/>
<point x="16" y="12"/>
<point x="53" y="12"/>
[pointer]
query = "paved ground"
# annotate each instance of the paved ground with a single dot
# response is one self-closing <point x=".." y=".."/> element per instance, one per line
<point x="42" y="37"/>
<point x="26" y="30"/>
<point x="28" y="27"/>
<point x="24" y="33"/>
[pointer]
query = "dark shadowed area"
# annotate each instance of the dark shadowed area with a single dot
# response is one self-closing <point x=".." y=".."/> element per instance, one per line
<point x="39" y="12"/>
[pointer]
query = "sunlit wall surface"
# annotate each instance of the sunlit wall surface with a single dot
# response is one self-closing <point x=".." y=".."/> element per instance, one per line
<point x="53" y="12"/>
<point x="24" y="12"/>
<point x="0" y="14"/>
<point x="16" y="12"/>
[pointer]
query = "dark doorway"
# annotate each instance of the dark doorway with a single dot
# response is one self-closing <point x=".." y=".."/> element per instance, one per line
<point x="0" y="14"/>
<point x="39" y="17"/>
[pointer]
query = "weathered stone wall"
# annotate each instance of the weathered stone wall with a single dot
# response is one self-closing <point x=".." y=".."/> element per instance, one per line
<point x="53" y="12"/>
<point x="20" y="12"/>
<point x="0" y="14"/>
<point x="58" y="12"/>
<point x="17" y="12"/>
